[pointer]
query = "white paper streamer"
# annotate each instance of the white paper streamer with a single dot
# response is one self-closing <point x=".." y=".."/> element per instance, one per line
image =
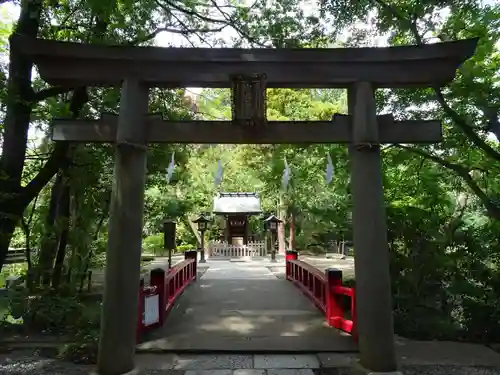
<point x="170" y="169"/>
<point x="329" y="169"/>
<point x="218" y="174"/>
<point x="286" y="176"/>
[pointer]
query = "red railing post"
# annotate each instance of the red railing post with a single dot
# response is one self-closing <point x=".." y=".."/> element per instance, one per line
<point x="192" y="254"/>
<point x="290" y="255"/>
<point x="158" y="280"/>
<point x="354" y="331"/>
<point x="140" y="311"/>
<point x="332" y="309"/>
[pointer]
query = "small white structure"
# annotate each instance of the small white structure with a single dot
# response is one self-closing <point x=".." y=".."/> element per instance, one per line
<point x="224" y="250"/>
<point x="235" y="239"/>
<point x="235" y="209"/>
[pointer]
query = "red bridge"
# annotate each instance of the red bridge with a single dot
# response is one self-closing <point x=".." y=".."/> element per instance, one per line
<point x="247" y="307"/>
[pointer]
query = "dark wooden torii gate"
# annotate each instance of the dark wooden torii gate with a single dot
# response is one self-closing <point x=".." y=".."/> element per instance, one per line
<point x="248" y="72"/>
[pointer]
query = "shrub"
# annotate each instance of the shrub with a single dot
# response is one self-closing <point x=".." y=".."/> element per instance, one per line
<point x="49" y="312"/>
<point x="185" y="247"/>
<point x="153" y="242"/>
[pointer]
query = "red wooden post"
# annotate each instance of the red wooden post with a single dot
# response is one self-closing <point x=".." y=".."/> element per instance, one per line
<point x="192" y="254"/>
<point x="333" y="309"/>
<point x="290" y="255"/>
<point x="140" y="311"/>
<point x="354" y="331"/>
<point x="158" y="280"/>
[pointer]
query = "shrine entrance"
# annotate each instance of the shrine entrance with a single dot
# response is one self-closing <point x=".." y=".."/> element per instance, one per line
<point x="236" y="239"/>
<point x="247" y="72"/>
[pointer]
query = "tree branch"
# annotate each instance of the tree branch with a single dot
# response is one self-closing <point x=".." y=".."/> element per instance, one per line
<point x="49" y="92"/>
<point x="491" y="207"/>
<point x="30" y="191"/>
<point x="460" y="122"/>
<point x="174" y="31"/>
<point x="465" y="127"/>
<point x="238" y="29"/>
<point x="188" y="12"/>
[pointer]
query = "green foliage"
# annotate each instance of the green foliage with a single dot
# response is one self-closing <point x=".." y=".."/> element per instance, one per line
<point x="154" y="245"/>
<point x="151" y="243"/>
<point x="12" y="270"/>
<point x="83" y="351"/>
<point x="185" y="247"/>
<point x="53" y="313"/>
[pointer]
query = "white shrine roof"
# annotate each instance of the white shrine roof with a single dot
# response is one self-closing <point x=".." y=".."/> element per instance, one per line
<point x="236" y="203"/>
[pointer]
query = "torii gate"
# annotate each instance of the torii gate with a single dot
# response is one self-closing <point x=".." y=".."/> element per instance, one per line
<point x="248" y="72"/>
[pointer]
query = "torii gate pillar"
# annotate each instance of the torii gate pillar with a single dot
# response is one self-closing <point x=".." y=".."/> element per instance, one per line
<point x="123" y="259"/>
<point x="373" y="284"/>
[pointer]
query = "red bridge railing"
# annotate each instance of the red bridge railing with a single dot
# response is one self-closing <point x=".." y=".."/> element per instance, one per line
<point x="156" y="300"/>
<point x="326" y="291"/>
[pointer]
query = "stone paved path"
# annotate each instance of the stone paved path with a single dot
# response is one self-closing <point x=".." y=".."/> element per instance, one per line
<point x="244" y="307"/>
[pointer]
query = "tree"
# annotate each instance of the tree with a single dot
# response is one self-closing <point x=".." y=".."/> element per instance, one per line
<point x="94" y="21"/>
<point x="469" y="105"/>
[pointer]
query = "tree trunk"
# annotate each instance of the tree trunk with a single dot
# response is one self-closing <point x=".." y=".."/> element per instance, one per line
<point x="105" y="214"/>
<point x="281" y="226"/>
<point x="63" y="230"/>
<point x="27" y="233"/>
<point x="291" y="235"/>
<point x="48" y="242"/>
<point x="193" y="228"/>
<point x="16" y="125"/>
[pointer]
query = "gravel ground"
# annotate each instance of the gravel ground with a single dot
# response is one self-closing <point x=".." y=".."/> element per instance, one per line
<point x="29" y="363"/>
<point x="450" y="370"/>
<point x="423" y="370"/>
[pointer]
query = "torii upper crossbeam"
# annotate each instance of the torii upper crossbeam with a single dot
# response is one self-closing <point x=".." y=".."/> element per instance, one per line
<point x="75" y="64"/>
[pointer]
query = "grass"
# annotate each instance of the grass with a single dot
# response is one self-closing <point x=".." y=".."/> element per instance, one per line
<point x="5" y="316"/>
<point x="4" y="307"/>
<point x="11" y="270"/>
<point x="8" y="270"/>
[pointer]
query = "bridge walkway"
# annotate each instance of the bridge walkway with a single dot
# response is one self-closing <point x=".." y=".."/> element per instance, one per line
<point x="245" y="307"/>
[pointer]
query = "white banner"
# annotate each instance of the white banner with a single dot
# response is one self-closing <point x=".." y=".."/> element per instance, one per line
<point x="151" y="310"/>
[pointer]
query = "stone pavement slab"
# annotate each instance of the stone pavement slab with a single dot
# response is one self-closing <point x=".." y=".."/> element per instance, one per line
<point x="236" y="307"/>
<point x="249" y="372"/>
<point x="288" y="371"/>
<point x="337" y="359"/>
<point x="194" y="362"/>
<point x="209" y="372"/>
<point x="284" y="361"/>
<point x="214" y="362"/>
